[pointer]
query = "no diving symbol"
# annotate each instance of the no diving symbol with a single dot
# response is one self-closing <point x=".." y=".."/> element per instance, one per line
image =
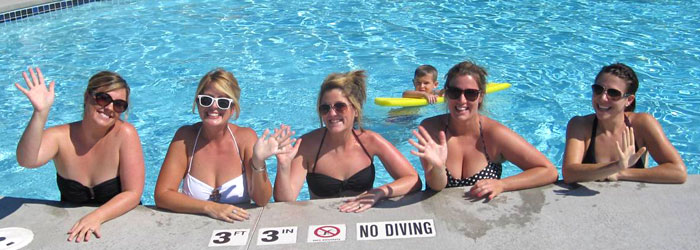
<point x="327" y="231"/>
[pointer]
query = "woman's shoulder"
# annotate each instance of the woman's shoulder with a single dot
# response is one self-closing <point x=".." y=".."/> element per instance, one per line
<point x="243" y="133"/>
<point x="491" y="127"/>
<point x="189" y="129"/>
<point x="368" y="136"/>
<point x="435" y="122"/>
<point x="314" y="135"/>
<point x="61" y="131"/>
<point x="642" y="120"/>
<point x="126" y="128"/>
<point x="580" y="123"/>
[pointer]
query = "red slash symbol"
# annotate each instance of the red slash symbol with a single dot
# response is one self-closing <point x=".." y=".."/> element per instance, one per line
<point x="326" y="231"/>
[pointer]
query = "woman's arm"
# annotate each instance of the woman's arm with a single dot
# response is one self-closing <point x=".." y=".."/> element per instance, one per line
<point x="259" y="149"/>
<point x="432" y="151"/>
<point x="432" y="98"/>
<point x="291" y="172"/>
<point x="405" y="177"/>
<point x="537" y="169"/>
<point x="171" y="173"/>
<point x="131" y="174"/>
<point x="36" y="147"/>
<point x="671" y="168"/>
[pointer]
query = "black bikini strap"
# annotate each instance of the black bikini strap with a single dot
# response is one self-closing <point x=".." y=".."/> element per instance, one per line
<point x="628" y="122"/>
<point x="593" y="132"/>
<point x="313" y="169"/>
<point x="481" y="136"/>
<point x="363" y="147"/>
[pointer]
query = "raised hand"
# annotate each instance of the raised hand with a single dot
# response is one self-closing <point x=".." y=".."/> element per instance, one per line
<point x="288" y="151"/>
<point x="625" y="153"/>
<point x="40" y="97"/>
<point x="433" y="153"/>
<point x="277" y="143"/>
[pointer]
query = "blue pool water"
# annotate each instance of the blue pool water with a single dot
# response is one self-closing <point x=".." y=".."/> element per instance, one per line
<point x="280" y="51"/>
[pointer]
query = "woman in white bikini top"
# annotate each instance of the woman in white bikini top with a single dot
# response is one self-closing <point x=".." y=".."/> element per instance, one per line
<point x="225" y="172"/>
<point x="233" y="191"/>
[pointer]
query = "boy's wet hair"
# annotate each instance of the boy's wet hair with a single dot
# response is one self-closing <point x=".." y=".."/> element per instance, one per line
<point x="424" y="70"/>
<point x="625" y="73"/>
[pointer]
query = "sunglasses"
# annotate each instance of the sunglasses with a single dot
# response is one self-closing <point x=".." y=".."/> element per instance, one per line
<point x="103" y="99"/>
<point x="456" y="93"/>
<point x="339" y="107"/>
<point x="613" y="94"/>
<point x="222" y="102"/>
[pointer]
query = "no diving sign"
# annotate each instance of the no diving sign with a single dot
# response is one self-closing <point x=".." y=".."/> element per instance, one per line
<point x="395" y="229"/>
<point x="326" y="233"/>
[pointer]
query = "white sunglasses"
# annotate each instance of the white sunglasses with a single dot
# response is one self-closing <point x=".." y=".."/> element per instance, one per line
<point x="221" y="102"/>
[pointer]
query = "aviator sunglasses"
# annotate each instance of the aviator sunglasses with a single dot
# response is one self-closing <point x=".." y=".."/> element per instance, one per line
<point x="455" y="93"/>
<point x="339" y="107"/>
<point x="103" y="99"/>
<point x="613" y="94"/>
<point x="206" y="101"/>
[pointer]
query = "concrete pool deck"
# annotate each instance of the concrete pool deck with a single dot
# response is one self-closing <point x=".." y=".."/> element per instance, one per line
<point x="622" y="215"/>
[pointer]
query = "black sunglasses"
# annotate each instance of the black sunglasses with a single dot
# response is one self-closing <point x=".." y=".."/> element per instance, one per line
<point x="103" y="99"/>
<point x="613" y="94"/>
<point x="339" y="107"/>
<point x="456" y="93"/>
<point x="206" y="101"/>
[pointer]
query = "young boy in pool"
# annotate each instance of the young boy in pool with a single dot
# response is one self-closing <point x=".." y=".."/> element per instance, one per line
<point x="425" y="84"/>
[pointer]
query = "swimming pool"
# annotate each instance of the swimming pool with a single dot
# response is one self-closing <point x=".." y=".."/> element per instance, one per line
<point x="280" y="51"/>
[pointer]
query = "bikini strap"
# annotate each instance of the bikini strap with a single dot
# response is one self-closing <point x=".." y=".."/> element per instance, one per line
<point x="481" y="136"/>
<point x="189" y="166"/>
<point x="594" y="130"/>
<point x="371" y="159"/>
<point x="313" y="169"/>
<point x="235" y="144"/>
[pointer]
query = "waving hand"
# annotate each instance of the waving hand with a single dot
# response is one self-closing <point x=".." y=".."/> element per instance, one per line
<point x="40" y="97"/>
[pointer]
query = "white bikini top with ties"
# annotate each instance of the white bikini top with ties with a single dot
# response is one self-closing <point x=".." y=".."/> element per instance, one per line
<point x="233" y="191"/>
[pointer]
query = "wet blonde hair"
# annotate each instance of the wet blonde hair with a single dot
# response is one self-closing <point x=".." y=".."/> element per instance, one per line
<point x="106" y="81"/>
<point x="223" y="81"/>
<point x="352" y="85"/>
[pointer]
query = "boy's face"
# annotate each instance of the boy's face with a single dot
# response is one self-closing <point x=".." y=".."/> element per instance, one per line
<point x="425" y="83"/>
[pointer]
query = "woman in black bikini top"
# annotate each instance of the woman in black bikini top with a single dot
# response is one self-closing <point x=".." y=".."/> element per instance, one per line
<point x="337" y="159"/>
<point x="324" y="186"/>
<point x="618" y="138"/>
<point x="98" y="159"/>
<point x="455" y="147"/>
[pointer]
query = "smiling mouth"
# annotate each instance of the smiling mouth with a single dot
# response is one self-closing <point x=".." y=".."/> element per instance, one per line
<point x="603" y="108"/>
<point x="213" y="114"/>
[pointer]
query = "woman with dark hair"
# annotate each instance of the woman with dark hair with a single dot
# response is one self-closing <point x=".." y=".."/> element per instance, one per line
<point x="337" y="159"/>
<point x="466" y="148"/>
<point x="612" y="143"/>
<point x="98" y="160"/>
